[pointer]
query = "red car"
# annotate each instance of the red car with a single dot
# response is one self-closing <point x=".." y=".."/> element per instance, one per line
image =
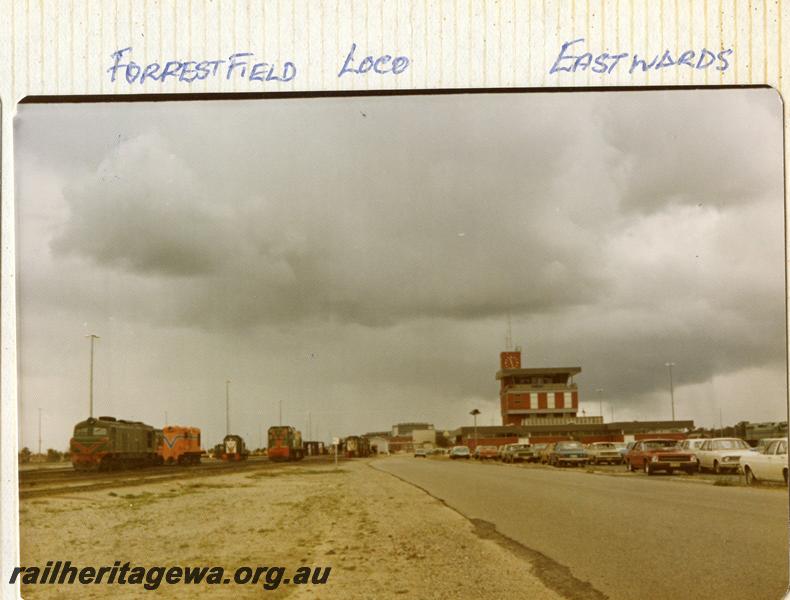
<point x="660" y="455"/>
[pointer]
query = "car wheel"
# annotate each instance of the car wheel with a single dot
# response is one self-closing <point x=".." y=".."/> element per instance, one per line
<point x="669" y="471"/>
<point x="750" y="478"/>
<point x="648" y="470"/>
<point x="716" y="467"/>
<point x="691" y="471"/>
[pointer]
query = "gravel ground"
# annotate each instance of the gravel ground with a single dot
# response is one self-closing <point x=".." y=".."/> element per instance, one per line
<point x="382" y="538"/>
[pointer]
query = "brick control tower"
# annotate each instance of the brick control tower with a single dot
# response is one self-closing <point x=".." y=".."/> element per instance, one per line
<point x="535" y="396"/>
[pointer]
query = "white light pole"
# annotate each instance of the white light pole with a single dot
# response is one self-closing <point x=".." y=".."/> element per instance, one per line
<point x="93" y="338"/>
<point x="669" y="365"/>
<point x="39" y="431"/>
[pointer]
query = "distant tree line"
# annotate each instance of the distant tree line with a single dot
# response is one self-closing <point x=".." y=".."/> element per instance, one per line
<point x="25" y="456"/>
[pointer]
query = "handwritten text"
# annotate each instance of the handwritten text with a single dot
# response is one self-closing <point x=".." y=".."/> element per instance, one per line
<point x="380" y="64"/>
<point x="240" y="65"/>
<point x="571" y="60"/>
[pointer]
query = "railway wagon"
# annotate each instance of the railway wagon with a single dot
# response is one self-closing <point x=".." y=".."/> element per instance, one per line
<point x="314" y="448"/>
<point x="285" y="443"/>
<point x="108" y="443"/>
<point x="357" y="447"/>
<point x="234" y="448"/>
<point x="180" y="445"/>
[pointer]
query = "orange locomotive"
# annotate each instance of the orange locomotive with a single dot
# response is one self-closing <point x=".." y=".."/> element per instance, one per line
<point x="180" y="445"/>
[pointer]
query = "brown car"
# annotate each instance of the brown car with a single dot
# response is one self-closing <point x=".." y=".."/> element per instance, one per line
<point x="486" y="452"/>
<point x="660" y="455"/>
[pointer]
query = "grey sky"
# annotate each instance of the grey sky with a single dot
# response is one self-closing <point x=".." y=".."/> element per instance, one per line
<point x="356" y="258"/>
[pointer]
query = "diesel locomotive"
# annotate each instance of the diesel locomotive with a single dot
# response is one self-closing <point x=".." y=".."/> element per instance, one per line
<point x="180" y="445"/>
<point x="109" y="443"/>
<point x="285" y="443"/>
<point x="233" y="448"/>
<point x="357" y="447"/>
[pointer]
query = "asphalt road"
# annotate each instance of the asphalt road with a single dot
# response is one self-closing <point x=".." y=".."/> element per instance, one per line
<point x="630" y="537"/>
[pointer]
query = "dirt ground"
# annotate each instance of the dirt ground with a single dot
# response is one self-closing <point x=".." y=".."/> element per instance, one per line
<point x="382" y="538"/>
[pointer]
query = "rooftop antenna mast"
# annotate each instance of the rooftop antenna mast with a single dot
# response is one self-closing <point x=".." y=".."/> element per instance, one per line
<point x="509" y="335"/>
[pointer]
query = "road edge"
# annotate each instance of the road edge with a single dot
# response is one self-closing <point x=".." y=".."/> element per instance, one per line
<point x="554" y="575"/>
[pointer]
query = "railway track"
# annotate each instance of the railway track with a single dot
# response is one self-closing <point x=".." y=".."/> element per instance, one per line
<point x="33" y="484"/>
<point x="46" y="476"/>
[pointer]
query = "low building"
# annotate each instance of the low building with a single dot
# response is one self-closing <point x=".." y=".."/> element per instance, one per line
<point x="405" y="429"/>
<point x="381" y="443"/>
<point x="400" y="443"/>
<point x="423" y="438"/>
<point x="583" y="429"/>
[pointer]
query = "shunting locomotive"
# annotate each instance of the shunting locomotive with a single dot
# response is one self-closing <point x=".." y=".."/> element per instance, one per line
<point x="285" y="443"/>
<point x="234" y="448"/>
<point x="357" y="447"/>
<point x="180" y="445"/>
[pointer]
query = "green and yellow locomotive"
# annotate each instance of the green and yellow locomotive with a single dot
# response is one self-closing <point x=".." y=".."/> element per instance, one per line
<point x="109" y="443"/>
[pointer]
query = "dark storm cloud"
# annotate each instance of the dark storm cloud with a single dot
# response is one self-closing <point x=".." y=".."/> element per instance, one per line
<point x="142" y="210"/>
<point x="445" y="218"/>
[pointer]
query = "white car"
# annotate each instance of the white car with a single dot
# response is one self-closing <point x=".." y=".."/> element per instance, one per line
<point x="770" y="465"/>
<point x="600" y="452"/>
<point x="722" y="454"/>
<point x="692" y="446"/>
<point x="765" y="442"/>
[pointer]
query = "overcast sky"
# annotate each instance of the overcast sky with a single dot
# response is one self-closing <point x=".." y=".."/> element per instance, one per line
<point x="357" y="258"/>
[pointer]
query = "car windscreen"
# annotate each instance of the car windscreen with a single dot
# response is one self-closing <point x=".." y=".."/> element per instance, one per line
<point x="729" y="445"/>
<point x="660" y="444"/>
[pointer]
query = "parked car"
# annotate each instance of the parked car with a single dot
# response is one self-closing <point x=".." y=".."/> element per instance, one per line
<point x="519" y="453"/>
<point x="567" y="453"/>
<point x="460" y="452"/>
<point x="500" y="455"/>
<point x="660" y="455"/>
<point x="722" y="454"/>
<point x="538" y="449"/>
<point x="770" y="465"/>
<point x="692" y="445"/>
<point x="763" y="444"/>
<point x="546" y="452"/>
<point x="486" y="452"/>
<point x="624" y="450"/>
<point x="420" y="453"/>
<point x="604" y="452"/>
